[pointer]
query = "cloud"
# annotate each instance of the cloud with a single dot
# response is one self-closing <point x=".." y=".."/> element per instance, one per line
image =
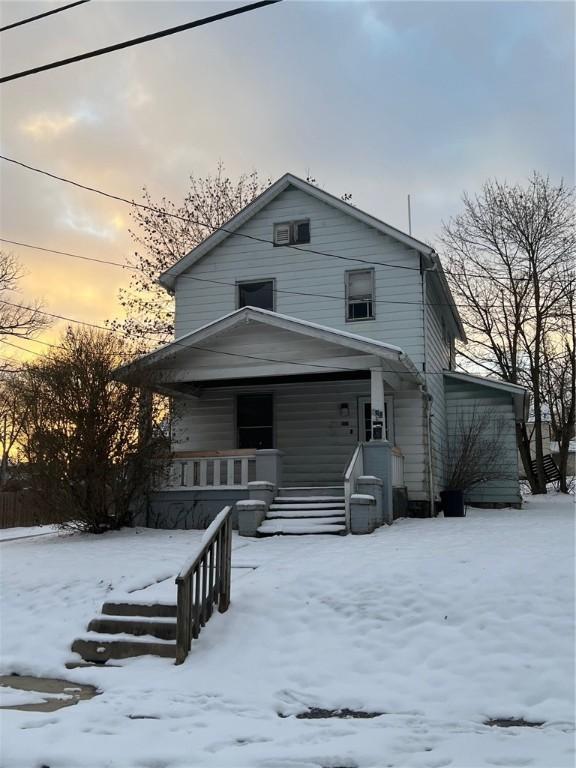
<point x="45" y="126"/>
<point x="79" y="221"/>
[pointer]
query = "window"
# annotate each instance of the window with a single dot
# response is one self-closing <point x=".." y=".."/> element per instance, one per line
<point x="258" y="294"/>
<point x="360" y="294"/>
<point x="365" y="419"/>
<point x="254" y="421"/>
<point x="292" y="232"/>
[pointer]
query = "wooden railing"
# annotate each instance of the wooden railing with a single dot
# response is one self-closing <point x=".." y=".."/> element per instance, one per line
<point x="397" y="468"/>
<point x="204" y="582"/>
<point x="212" y="469"/>
<point x="353" y="471"/>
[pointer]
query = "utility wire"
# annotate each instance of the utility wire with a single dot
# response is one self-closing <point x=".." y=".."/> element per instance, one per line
<point x="43" y="15"/>
<point x="140" y="40"/>
<point x="188" y="220"/>
<point x="108" y="262"/>
<point x="176" y="342"/>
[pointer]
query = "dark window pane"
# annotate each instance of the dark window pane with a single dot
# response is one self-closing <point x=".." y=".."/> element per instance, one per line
<point x="255" y="410"/>
<point x="302" y="232"/>
<point x="259" y="294"/>
<point x="360" y="310"/>
<point x="255" y="437"/>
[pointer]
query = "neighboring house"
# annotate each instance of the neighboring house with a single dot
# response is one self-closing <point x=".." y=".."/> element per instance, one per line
<point x="315" y="346"/>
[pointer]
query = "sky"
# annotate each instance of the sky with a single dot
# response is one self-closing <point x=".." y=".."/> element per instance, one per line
<point x="376" y="99"/>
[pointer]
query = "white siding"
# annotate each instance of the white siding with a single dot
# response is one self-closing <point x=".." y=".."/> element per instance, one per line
<point x="239" y="258"/>
<point x="437" y="360"/>
<point x="461" y="399"/>
<point x="308" y="428"/>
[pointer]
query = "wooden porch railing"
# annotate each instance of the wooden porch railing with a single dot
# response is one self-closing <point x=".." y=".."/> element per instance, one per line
<point x="204" y="582"/>
<point x="212" y="469"/>
<point x="353" y="471"/>
<point x="397" y="468"/>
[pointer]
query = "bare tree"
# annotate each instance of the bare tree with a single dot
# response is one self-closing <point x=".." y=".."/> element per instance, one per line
<point x="509" y="263"/>
<point x="16" y="319"/>
<point x="89" y="459"/>
<point x="473" y="450"/>
<point x="559" y="383"/>
<point x="12" y="419"/>
<point x="165" y="234"/>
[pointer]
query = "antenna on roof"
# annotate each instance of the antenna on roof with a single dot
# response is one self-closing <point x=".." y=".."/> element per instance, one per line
<point x="409" y="218"/>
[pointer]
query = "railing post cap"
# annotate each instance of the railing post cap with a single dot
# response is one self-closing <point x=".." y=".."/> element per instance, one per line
<point x="269" y="451"/>
<point x="261" y="485"/>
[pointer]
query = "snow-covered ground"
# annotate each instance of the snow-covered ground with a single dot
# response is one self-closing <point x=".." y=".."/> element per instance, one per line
<point x="441" y="624"/>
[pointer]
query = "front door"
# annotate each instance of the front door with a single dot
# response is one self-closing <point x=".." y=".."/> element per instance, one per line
<point x="255" y="421"/>
<point x="365" y="419"/>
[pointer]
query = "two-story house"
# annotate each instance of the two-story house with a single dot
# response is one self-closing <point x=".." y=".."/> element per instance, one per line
<point x="314" y="353"/>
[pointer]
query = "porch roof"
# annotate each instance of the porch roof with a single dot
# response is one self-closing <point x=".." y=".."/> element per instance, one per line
<point x="253" y="342"/>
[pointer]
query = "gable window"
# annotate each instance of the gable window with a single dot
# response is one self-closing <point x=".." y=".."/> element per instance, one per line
<point x="257" y="294"/>
<point x="360" y="294"/>
<point x="292" y="232"/>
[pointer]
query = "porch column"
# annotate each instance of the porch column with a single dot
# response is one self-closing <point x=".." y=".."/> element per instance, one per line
<point x="377" y="399"/>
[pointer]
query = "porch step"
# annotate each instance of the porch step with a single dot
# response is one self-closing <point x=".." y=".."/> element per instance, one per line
<point x="94" y="648"/>
<point x="307" y="512"/>
<point x="310" y="510"/>
<point x="124" y="629"/>
<point x="307" y="491"/>
<point x="166" y="610"/>
<point x="165" y="629"/>
<point x="272" y="528"/>
<point x="282" y="504"/>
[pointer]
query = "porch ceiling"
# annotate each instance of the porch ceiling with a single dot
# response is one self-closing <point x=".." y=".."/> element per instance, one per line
<point x="253" y="343"/>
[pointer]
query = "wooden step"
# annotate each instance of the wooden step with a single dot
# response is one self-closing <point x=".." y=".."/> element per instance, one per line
<point x="310" y="522"/>
<point x="297" y="513"/>
<point x="101" y="648"/>
<point x="309" y="500"/>
<point x="165" y="629"/>
<point x="280" y="527"/>
<point x="296" y="507"/>
<point x="113" y="608"/>
<point x="313" y="490"/>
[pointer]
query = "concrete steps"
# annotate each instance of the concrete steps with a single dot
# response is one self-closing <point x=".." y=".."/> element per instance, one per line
<point x="124" y="630"/>
<point x="301" y="511"/>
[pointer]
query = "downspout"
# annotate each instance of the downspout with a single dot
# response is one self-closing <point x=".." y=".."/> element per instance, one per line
<point x="428" y="398"/>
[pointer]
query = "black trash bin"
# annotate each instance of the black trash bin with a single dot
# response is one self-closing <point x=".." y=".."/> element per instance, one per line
<point x="453" y="503"/>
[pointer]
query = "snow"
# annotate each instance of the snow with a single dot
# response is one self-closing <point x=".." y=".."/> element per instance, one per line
<point x="441" y="624"/>
<point x="23" y="533"/>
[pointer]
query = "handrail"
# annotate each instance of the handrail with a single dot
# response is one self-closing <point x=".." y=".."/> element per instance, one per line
<point x="353" y="471"/>
<point x="203" y="581"/>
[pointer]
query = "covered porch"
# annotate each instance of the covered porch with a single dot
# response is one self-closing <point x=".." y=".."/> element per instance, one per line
<point x="261" y="397"/>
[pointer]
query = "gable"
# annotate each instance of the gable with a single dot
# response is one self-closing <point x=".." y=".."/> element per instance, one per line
<point x="234" y="227"/>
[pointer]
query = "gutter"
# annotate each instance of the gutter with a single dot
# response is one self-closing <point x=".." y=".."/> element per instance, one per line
<point x="431" y="487"/>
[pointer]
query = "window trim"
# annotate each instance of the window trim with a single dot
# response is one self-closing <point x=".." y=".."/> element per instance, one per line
<point x="292" y="223"/>
<point x="347" y="274"/>
<point x="251" y="282"/>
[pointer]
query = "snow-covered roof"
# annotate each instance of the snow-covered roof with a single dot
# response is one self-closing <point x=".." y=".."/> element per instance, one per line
<point x="276" y="320"/>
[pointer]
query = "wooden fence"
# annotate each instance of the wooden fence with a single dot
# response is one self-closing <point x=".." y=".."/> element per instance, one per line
<point x="19" y="509"/>
<point x="203" y="582"/>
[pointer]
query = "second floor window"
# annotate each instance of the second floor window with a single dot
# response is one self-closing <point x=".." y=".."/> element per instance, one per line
<point x="360" y="294"/>
<point x="292" y="232"/>
<point x="257" y="294"/>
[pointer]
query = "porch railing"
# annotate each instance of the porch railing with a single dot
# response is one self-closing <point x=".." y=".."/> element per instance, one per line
<point x="204" y="582"/>
<point x="397" y="468"/>
<point x="354" y="470"/>
<point x="202" y="469"/>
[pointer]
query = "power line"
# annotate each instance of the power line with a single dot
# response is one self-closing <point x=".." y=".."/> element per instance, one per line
<point x="188" y="346"/>
<point x="188" y="220"/>
<point x="140" y="40"/>
<point x="43" y="15"/>
<point x="108" y="262"/>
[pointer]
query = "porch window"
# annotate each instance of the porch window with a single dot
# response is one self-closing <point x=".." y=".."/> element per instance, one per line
<point x="255" y="421"/>
<point x="360" y="294"/>
<point x="365" y="419"/>
<point x="258" y="294"/>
